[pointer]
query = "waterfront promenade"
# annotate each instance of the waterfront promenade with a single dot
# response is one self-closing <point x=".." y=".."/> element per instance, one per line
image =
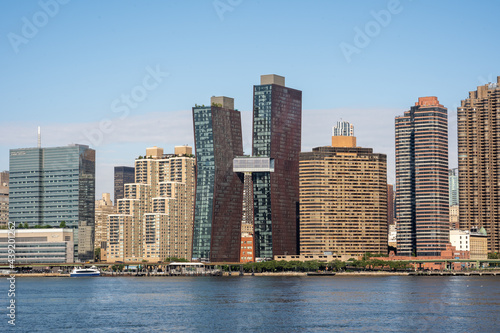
<point x="270" y="274"/>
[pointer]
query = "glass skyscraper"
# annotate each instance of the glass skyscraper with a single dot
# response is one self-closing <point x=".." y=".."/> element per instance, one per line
<point x="453" y="181"/>
<point x="123" y="175"/>
<point x="48" y="186"/>
<point x="277" y="117"/>
<point x="219" y="190"/>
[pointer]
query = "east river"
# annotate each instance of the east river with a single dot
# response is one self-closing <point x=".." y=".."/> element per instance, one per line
<point x="254" y="304"/>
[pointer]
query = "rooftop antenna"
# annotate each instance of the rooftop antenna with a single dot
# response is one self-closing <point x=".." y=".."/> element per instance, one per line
<point x="39" y="138"/>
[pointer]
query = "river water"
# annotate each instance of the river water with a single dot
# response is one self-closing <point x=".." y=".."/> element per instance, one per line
<point x="254" y="304"/>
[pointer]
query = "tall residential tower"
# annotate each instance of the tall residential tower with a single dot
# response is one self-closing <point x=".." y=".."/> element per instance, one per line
<point x="479" y="162"/>
<point x="343" y="201"/>
<point x="123" y="175"/>
<point x="219" y="190"/>
<point x="277" y="117"/>
<point x="155" y="218"/>
<point x="422" y="179"/>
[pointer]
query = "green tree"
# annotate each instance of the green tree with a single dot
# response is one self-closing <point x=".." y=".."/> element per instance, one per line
<point x="62" y="224"/>
<point x="494" y="255"/>
<point x="97" y="254"/>
<point x="175" y="259"/>
<point x="338" y="265"/>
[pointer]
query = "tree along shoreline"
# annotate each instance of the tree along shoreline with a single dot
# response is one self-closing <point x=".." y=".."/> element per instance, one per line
<point x="353" y="265"/>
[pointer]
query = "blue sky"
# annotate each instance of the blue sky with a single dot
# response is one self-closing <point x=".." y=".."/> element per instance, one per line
<point x="67" y="65"/>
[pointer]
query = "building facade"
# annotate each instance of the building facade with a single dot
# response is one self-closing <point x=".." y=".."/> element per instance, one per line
<point x="422" y="204"/>
<point x="154" y="220"/>
<point x="474" y="241"/>
<point x="48" y="186"/>
<point x="453" y="184"/>
<point x="390" y="204"/>
<point x="123" y="175"/>
<point x="478" y="243"/>
<point x="4" y="198"/>
<point x="103" y="208"/>
<point x="343" y="128"/>
<point x="219" y="190"/>
<point x="277" y="125"/>
<point x="479" y="162"/>
<point x="343" y="201"/>
<point x="51" y="245"/>
<point x="246" y="166"/>
<point x="454" y="208"/>
<point x="460" y="239"/>
<point x="454" y="217"/>
<point x="247" y="233"/>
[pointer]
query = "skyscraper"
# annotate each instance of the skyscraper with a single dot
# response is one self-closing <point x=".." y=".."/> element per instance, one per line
<point x="453" y="183"/>
<point x="343" y="128"/>
<point x="49" y="186"/>
<point x="219" y="190"/>
<point x="123" y="175"/>
<point x="390" y="204"/>
<point x="479" y="162"/>
<point x="422" y="179"/>
<point x="343" y="201"/>
<point x="277" y="117"/>
<point x="454" y="209"/>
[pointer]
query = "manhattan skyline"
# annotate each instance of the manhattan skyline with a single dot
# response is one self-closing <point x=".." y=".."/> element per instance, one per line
<point x="362" y="62"/>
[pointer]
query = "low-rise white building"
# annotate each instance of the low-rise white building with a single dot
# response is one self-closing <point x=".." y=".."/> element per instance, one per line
<point x="52" y="245"/>
<point x="460" y="239"/>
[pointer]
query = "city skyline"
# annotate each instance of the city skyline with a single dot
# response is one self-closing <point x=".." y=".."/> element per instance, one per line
<point x="71" y="80"/>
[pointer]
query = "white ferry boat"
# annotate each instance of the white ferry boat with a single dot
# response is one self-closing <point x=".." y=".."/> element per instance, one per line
<point x="78" y="271"/>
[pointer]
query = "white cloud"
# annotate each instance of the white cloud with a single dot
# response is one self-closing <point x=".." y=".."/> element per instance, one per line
<point x="374" y="128"/>
<point x="165" y="127"/>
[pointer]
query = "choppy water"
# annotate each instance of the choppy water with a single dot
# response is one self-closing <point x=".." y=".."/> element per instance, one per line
<point x="255" y="304"/>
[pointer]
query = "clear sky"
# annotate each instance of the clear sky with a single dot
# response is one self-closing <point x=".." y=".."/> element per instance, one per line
<point x="123" y="75"/>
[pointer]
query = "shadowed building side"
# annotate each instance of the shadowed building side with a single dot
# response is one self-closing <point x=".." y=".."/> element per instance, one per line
<point x="422" y="204"/>
<point x="219" y="191"/>
<point x="277" y="117"/>
<point x="479" y="162"/>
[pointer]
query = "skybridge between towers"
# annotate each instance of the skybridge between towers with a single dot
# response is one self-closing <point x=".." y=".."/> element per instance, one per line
<point x="251" y="164"/>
